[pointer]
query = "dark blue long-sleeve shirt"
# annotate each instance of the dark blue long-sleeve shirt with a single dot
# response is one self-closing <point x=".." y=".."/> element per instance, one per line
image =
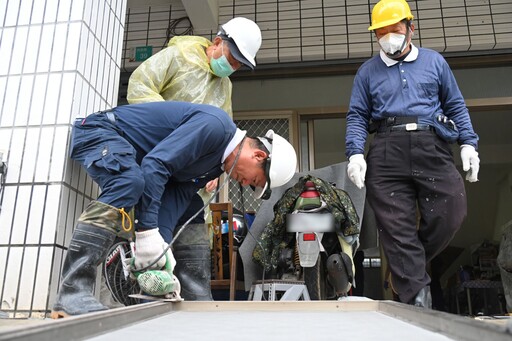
<point x="175" y="141"/>
<point x="421" y="85"/>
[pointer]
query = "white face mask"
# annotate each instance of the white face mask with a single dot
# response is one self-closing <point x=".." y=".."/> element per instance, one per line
<point x="393" y="44"/>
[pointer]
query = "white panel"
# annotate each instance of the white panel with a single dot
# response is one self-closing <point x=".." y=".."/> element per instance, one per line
<point x="51" y="212"/>
<point x="25" y="12"/>
<point x="82" y="50"/>
<point x="44" y="154"/>
<point x="84" y="96"/>
<point x="59" y="47"/>
<point x="77" y="10"/>
<point x="76" y="111"/>
<point x="94" y="67"/>
<point x="5" y="138"/>
<point x="90" y="56"/>
<point x="6" y="213"/>
<point x="12" y="273"/>
<point x="3" y="82"/>
<point x="22" y="111"/>
<point x="43" y="271"/>
<point x="72" y="45"/>
<point x="12" y="13"/>
<point x="65" y="113"/>
<point x="64" y="10"/>
<point x="3" y="265"/>
<point x="59" y="154"/>
<point x="102" y="81"/>
<point x="102" y="23"/>
<point x="34" y="36"/>
<point x="52" y="98"/>
<point x="6" y="49"/>
<point x="94" y="17"/>
<point x="111" y="29"/>
<point x="45" y="50"/>
<point x="21" y="215"/>
<point x="50" y="14"/>
<point x="38" y="97"/>
<point x="3" y="10"/>
<point x="10" y="100"/>
<point x="26" y="284"/>
<point x="88" y="12"/>
<point x="35" y="217"/>
<point x="37" y="11"/>
<point x="31" y="144"/>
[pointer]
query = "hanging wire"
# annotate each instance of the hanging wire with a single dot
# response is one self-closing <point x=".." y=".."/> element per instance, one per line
<point x="175" y="29"/>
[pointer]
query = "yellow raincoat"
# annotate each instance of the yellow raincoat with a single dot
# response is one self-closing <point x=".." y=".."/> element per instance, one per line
<point x="180" y="72"/>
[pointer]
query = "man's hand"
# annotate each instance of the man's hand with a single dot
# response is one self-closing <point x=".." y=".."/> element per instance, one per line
<point x="470" y="162"/>
<point x="149" y="245"/>
<point x="356" y="170"/>
<point x="211" y="185"/>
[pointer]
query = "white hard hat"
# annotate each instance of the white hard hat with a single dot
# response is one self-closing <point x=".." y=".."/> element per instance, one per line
<point x="281" y="163"/>
<point x="246" y="35"/>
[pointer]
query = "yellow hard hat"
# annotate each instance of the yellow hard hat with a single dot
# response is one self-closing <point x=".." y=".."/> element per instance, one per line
<point x="389" y="12"/>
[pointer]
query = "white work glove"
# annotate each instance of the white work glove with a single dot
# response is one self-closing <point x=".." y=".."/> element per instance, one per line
<point x="149" y="245"/>
<point x="470" y="162"/>
<point x="356" y="170"/>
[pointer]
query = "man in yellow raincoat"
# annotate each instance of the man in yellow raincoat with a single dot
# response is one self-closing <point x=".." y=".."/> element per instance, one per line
<point x="194" y="69"/>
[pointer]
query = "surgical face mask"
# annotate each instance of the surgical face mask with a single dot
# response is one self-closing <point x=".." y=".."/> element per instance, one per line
<point x="221" y="66"/>
<point x="393" y="44"/>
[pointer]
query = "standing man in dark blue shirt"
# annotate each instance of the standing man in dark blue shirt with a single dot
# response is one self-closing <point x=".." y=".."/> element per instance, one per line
<point x="142" y="154"/>
<point x="410" y="98"/>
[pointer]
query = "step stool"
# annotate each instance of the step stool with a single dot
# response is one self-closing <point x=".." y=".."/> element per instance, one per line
<point x="287" y="290"/>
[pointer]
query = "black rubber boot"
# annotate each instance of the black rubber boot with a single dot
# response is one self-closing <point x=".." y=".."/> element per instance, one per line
<point x="87" y="249"/>
<point x="423" y="298"/>
<point x="193" y="262"/>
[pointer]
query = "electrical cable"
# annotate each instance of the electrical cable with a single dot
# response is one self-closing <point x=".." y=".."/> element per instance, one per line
<point x="171" y="29"/>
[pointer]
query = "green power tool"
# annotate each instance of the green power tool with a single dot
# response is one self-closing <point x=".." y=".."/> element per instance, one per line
<point x="159" y="282"/>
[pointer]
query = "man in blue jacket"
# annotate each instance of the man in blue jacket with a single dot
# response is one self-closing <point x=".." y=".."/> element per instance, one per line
<point x="152" y="156"/>
<point x="410" y="98"/>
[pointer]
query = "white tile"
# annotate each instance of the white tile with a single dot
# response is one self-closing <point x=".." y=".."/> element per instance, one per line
<point x="31" y="150"/>
<point x="27" y="279"/>
<point x="51" y="213"/>
<point x="65" y="113"/>
<point x="94" y="17"/>
<point x="52" y="98"/>
<point x="35" y="216"/>
<point x="34" y="36"/>
<point x="50" y="11"/>
<point x="76" y="111"/>
<point x="15" y="155"/>
<point x="109" y="34"/>
<point x="21" y="215"/>
<point x="44" y="155"/>
<point x="23" y="108"/>
<point x="42" y="279"/>
<point x="25" y="12"/>
<point x="37" y="99"/>
<point x="3" y="10"/>
<point x="59" y="47"/>
<point x="10" y="101"/>
<point x="59" y="154"/>
<point x="57" y="259"/>
<point x="72" y="45"/>
<point x="3" y="265"/>
<point x="88" y="12"/>
<point x="37" y="11"/>
<point x="90" y="56"/>
<point x="102" y="23"/>
<point x="12" y="13"/>
<point x="5" y="138"/>
<point x="6" y="49"/>
<point x="84" y="96"/>
<point x="77" y="10"/>
<point x="3" y="83"/>
<point x="12" y="274"/>
<point x="64" y="10"/>
<point x="7" y="212"/>
<point x="45" y="48"/>
<point x="94" y="66"/>
<point x="102" y="80"/>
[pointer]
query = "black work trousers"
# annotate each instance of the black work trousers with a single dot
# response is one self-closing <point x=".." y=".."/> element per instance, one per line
<point x="410" y="171"/>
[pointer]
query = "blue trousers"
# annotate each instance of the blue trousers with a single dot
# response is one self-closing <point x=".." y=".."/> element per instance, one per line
<point x="110" y="160"/>
<point x="410" y="172"/>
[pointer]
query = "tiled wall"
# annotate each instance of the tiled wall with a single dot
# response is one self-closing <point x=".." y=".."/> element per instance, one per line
<point x="60" y="59"/>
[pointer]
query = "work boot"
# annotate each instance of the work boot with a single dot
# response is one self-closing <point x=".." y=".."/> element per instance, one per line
<point x="423" y="298"/>
<point x="192" y="252"/>
<point x="94" y="234"/>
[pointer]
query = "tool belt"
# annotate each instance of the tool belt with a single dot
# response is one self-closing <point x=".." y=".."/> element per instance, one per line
<point x="398" y="123"/>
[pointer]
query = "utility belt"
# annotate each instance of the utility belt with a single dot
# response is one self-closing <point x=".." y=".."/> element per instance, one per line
<point x="398" y="123"/>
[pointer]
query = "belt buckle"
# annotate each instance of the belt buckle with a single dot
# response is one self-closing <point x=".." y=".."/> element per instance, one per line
<point x="411" y="126"/>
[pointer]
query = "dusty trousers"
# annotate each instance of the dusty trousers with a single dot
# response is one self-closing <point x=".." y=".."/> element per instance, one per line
<point x="409" y="172"/>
